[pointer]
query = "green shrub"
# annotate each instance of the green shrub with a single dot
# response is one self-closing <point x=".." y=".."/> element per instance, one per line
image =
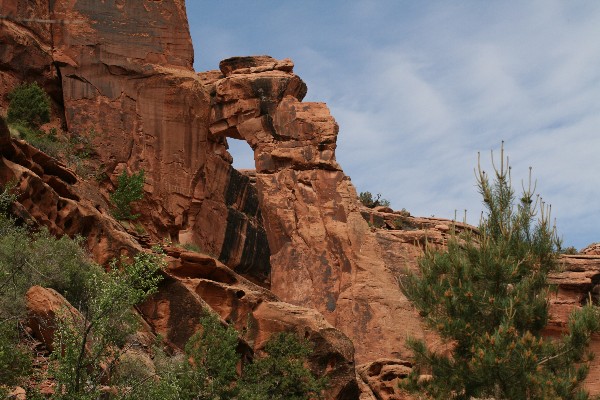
<point x="28" y="259"/>
<point x="91" y="348"/>
<point x="15" y="359"/>
<point x="129" y="189"/>
<point x="571" y="250"/>
<point x="192" y="247"/>
<point x="487" y="296"/>
<point x="29" y="105"/>
<point x="281" y="375"/>
<point x="7" y="197"/>
<point x="366" y="198"/>
<point x="214" y="357"/>
<point x="208" y="370"/>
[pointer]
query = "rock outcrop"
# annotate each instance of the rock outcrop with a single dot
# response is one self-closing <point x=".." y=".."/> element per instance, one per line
<point x="46" y="307"/>
<point x="51" y="195"/>
<point x="323" y="253"/>
<point x="123" y="79"/>
<point x="290" y="247"/>
<point x="380" y="379"/>
<point x="197" y="282"/>
<point x="577" y="283"/>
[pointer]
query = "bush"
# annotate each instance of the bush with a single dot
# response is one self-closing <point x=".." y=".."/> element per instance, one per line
<point x="15" y="359"/>
<point x="192" y="247"/>
<point x="571" y="250"/>
<point x="209" y="370"/>
<point x="487" y="296"/>
<point x="39" y="259"/>
<point x="7" y="197"/>
<point x="92" y="348"/>
<point x="213" y="353"/>
<point x="29" y="105"/>
<point x="129" y="189"/>
<point x="366" y="198"/>
<point x="281" y="375"/>
<point x="28" y="259"/>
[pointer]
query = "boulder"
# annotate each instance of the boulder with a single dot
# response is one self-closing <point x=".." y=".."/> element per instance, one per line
<point x="45" y="307"/>
<point x="380" y="379"/>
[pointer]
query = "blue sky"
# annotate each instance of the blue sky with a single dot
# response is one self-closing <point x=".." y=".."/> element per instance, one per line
<point x="419" y="87"/>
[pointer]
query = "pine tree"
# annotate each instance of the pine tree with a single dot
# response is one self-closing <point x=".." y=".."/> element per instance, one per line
<point x="486" y="295"/>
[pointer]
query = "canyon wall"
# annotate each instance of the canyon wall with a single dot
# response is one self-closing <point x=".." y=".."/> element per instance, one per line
<point x="127" y="83"/>
<point x="122" y="77"/>
<point x="288" y="245"/>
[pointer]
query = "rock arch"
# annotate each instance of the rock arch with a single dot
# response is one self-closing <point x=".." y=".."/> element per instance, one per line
<point x="323" y="253"/>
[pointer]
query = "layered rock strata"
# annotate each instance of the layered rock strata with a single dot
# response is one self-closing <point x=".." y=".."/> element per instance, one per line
<point x="577" y="283"/>
<point x="197" y="282"/>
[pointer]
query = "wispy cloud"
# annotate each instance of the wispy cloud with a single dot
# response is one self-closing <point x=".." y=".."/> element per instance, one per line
<point x="419" y="88"/>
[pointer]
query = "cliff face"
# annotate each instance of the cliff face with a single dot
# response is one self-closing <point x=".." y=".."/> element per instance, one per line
<point x="120" y="74"/>
<point x="123" y="77"/>
<point x="125" y="74"/>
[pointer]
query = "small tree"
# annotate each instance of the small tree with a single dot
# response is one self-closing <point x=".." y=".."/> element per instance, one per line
<point x="209" y="370"/>
<point x="487" y="296"/>
<point x="281" y="375"/>
<point x="214" y="358"/>
<point x="91" y="344"/>
<point x="367" y="199"/>
<point x="8" y="196"/>
<point x="29" y="105"/>
<point x="129" y="189"/>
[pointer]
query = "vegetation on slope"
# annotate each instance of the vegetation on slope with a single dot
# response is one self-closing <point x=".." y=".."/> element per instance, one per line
<point x="91" y="357"/>
<point x="368" y="200"/>
<point x="94" y="343"/>
<point x="130" y="188"/>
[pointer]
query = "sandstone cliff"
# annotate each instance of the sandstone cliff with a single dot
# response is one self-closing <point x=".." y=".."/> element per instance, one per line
<point x="288" y="246"/>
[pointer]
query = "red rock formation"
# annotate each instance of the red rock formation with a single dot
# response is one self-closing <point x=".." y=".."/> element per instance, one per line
<point x="197" y="282"/>
<point x="577" y="282"/>
<point x="124" y="71"/>
<point x="26" y="50"/>
<point x="381" y="378"/>
<point x="45" y="307"/>
<point x="151" y="111"/>
<point x="51" y="195"/>
<point x="324" y="255"/>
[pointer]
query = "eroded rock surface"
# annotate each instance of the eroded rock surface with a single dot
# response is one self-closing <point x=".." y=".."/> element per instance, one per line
<point x="51" y="195"/>
<point x="121" y="75"/>
<point x="577" y="283"/>
<point x="197" y="282"/>
<point x="380" y="379"/>
<point x="46" y="307"/>
<point x="324" y="254"/>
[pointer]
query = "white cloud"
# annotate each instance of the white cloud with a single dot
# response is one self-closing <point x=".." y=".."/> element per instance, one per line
<point x="419" y="88"/>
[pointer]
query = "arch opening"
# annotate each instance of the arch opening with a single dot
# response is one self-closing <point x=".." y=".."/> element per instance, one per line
<point x="243" y="156"/>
